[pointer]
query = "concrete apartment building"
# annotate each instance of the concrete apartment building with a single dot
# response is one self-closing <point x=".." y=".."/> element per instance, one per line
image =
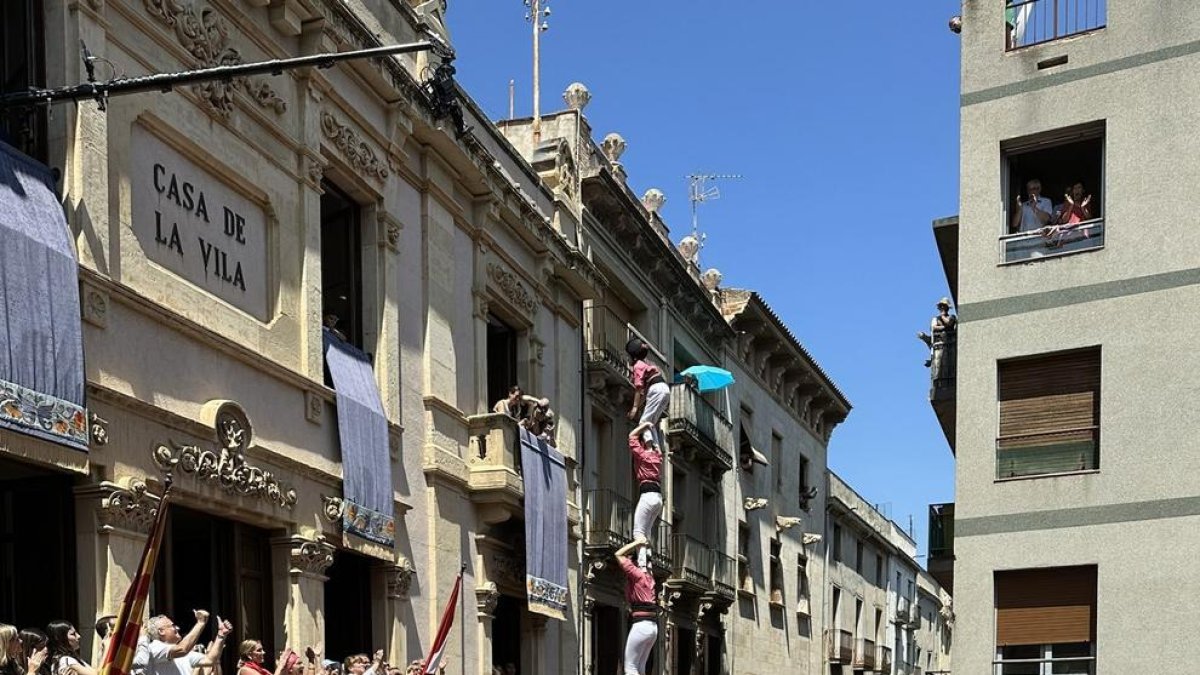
<point x="1070" y="539"/>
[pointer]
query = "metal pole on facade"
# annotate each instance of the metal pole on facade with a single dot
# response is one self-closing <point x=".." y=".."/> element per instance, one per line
<point x="167" y="81"/>
<point x="462" y="615"/>
<point x="537" y="72"/>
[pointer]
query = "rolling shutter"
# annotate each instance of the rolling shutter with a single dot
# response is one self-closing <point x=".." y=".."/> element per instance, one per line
<point x="1049" y="413"/>
<point x="1046" y="606"/>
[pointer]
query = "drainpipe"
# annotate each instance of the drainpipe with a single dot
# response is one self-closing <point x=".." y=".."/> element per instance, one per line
<point x="581" y="450"/>
<point x="828" y="590"/>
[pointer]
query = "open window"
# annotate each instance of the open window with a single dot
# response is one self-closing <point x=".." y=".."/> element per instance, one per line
<point x="776" y="572"/>
<point x="22" y="67"/>
<point x="1053" y="193"/>
<point x="745" y="582"/>
<point x="1049" y="414"/>
<point x="501" y="358"/>
<point x="341" y="265"/>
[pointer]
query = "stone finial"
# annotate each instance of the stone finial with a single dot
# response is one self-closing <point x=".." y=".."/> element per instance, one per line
<point x="689" y="248"/>
<point x="577" y="96"/>
<point x="712" y="278"/>
<point x="786" y="522"/>
<point x="754" y="503"/>
<point x="653" y="200"/>
<point x="486" y="597"/>
<point x="613" y="146"/>
<point x="399" y="578"/>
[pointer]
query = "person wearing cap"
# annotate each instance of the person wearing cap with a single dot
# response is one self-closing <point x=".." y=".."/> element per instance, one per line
<point x="940" y="341"/>
<point x="649" y="388"/>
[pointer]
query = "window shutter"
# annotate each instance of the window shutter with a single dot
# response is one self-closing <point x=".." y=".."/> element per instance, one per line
<point x="1049" y="412"/>
<point x="1046" y="606"/>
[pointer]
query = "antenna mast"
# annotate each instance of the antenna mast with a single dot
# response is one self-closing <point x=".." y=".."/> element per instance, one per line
<point x="699" y="192"/>
<point x="536" y="15"/>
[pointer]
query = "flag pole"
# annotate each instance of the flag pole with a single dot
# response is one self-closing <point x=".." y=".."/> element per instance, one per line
<point x="462" y="619"/>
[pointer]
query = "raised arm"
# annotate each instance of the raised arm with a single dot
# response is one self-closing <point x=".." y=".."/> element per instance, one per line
<point x="187" y="642"/>
<point x="213" y="655"/>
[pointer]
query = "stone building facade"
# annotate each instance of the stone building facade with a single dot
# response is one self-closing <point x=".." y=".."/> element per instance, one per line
<point x="220" y="227"/>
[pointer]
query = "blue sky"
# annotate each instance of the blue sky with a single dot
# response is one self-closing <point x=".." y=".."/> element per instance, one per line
<point x="843" y="120"/>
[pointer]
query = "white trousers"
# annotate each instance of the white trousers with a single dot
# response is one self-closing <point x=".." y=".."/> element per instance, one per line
<point x="649" y="507"/>
<point x="658" y="396"/>
<point x="642" y="635"/>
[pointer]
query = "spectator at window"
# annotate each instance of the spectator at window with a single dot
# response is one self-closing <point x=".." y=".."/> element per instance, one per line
<point x="64" y="650"/>
<point x="517" y="404"/>
<point x="1033" y="213"/>
<point x="1076" y="206"/>
<point x="541" y="422"/>
<point x="168" y="652"/>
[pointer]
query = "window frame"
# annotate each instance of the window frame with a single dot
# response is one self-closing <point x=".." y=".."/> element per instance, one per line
<point x="1065" y="353"/>
<point x="1048" y="140"/>
<point x="352" y="217"/>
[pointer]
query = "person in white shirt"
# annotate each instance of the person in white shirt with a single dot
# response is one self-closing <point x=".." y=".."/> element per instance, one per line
<point x="167" y="652"/>
<point x="1035" y="212"/>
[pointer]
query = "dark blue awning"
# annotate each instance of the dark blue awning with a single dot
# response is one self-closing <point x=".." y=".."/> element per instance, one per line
<point x="363" y="432"/>
<point x="41" y="339"/>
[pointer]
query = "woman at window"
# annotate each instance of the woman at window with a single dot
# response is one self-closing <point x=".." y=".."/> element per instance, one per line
<point x="64" y="650"/>
<point x="1076" y="206"/>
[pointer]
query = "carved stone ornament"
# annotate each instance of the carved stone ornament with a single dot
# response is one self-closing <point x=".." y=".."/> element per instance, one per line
<point x="653" y="200"/>
<point x="95" y="306"/>
<point x="577" y="96"/>
<point x="227" y="466"/>
<point x="512" y="289"/>
<point x="98" y="427"/>
<point x="127" y="507"/>
<point x="486" y="597"/>
<point x="596" y="566"/>
<point x="754" y="503"/>
<point x="711" y="278"/>
<point x="506" y="568"/>
<point x="399" y="578"/>
<point x="613" y="146"/>
<point x="310" y="556"/>
<point x="314" y="407"/>
<point x="332" y="508"/>
<point x="204" y="34"/>
<point x="689" y="248"/>
<point x="353" y="147"/>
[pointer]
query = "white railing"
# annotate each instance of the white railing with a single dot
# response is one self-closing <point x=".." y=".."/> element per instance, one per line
<point x="1036" y="21"/>
<point x="1052" y="240"/>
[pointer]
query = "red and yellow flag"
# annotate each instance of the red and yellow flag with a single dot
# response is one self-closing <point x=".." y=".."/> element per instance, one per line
<point x="123" y="641"/>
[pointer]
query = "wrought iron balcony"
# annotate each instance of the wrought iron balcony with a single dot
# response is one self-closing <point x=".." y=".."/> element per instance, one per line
<point x="605" y="335"/>
<point x="698" y="430"/>
<point x="1036" y="21"/>
<point x="864" y="655"/>
<point x="609" y="521"/>
<point x="724" y="576"/>
<point x="839" y="646"/>
<point x="693" y="562"/>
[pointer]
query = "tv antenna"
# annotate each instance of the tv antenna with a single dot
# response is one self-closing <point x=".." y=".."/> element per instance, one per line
<point x="699" y="191"/>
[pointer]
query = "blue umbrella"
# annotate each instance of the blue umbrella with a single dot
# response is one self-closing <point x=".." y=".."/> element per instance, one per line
<point x="710" y="378"/>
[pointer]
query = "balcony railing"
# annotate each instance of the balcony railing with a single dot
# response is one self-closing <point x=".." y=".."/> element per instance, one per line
<point x="1051" y="241"/>
<point x="1036" y="454"/>
<point x="724" y="575"/>
<point x="884" y="660"/>
<point x="693" y="561"/>
<point x="839" y="645"/>
<point x="941" y="530"/>
<point x="609" y="522"/>
<point x="904" y="608"/>
<point x="1037" y="21"/>
<point x="605" y="335"/>
<point x="864" y="655"/>
<point x="697" y="422"/>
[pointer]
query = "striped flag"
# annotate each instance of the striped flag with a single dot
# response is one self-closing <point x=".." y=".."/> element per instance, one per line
<point x="124" y="637"/>
<point x="438" y="649"/>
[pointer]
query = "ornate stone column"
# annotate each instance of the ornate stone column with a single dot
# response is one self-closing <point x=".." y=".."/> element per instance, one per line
<point x="299" y="577"/>
<point x="397" y="612"/>
<point x="114" y="520"/>
<point x="486" y="597"/>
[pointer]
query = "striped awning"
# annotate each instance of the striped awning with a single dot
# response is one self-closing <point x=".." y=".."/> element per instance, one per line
<point x="41" y="339"/>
